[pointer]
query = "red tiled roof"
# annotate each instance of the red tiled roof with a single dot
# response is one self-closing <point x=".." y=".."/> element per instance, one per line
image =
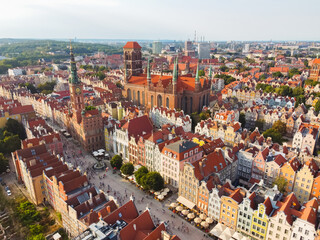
<point x="21" y="110"/>
<point x="213" y="163"/>
<point x="156" y="234"/>
<point x="126" y="212"/>
<point x="132" y="45"/>
<point x="183" y="83"/>
<point x="290" y="206"/>
<point x="137" y="126"/>
<point x="139" y="228"/>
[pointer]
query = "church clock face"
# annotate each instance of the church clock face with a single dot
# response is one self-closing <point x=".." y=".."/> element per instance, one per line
<point x="78" y="90"/>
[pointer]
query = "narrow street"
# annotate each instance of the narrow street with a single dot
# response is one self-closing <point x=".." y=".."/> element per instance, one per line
<point x="122" y="189"/>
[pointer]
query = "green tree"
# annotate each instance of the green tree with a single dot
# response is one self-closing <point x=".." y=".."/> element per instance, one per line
<point x="260" y="124"/>
<point x="262" y="77"/>
<point x="277" y="74"/>
<point x="293" y="71"/>
<point x="140" y="173"/>
<point x="204" y="115"/>
<point x="116" y="161"/>
<point x="47" y="87"/>
<point x="317" y="107"/>
<point x="242" y="119"/>
<point x="280" y="127"/>
<point x="101" y="75"/>
<point x="37" y="237"/>
<point x="201" y="73"/>
<point x="195" y="119"/>
<point x="119" y="85"/>
<point x="102" y="68"/>
<point x="224" y="68"/>
<point x="281" y="183"/>
<point x="35" y="229"/>
<point x="152" y="180"/>
<point x="310" y="82"/>
<point x="227" y="78"/>
<point x="27" y="213"/>
<point x="297" y="91"/>
<point x="300" y="99"/>
<point x="269" y="89"/>
<point x="15" y="127"/>
<point x="276" y="136"/>
<point x="4" y="163"/>
<point x="10" y="144"/>
<point x="127" y="169"/>
<point x="88" y="108"/>
<point x="261" y="86"/>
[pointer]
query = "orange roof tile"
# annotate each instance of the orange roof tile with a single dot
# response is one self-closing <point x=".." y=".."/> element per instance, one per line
<point x="132" y="45"/>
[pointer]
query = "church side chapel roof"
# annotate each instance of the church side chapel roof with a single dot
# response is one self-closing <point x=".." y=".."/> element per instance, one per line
<point x="183" y="83"/>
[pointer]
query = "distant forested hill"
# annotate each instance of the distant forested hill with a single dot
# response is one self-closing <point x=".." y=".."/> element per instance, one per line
<point x="24" y="52"/>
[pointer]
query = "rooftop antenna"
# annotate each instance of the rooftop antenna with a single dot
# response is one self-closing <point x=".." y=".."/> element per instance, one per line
<point x="195" y="35"/>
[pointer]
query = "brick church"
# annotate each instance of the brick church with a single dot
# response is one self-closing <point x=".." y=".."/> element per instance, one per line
<point x="85" y="125"/>
<point x="180" y="92"/>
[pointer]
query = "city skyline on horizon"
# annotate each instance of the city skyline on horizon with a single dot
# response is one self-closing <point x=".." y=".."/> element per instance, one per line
<point x="285" y="20"/>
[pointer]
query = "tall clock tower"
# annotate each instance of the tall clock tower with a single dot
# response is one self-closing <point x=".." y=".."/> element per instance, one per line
<point x="76" y="90"/>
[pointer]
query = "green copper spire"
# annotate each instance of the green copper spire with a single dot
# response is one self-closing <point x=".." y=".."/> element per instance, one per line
<point x="197" y="74"/>
<point x="148" y="71"/>
<point x="174" y="74"/>
<point x="210" y="72"/>
<point x="74" y="76"/>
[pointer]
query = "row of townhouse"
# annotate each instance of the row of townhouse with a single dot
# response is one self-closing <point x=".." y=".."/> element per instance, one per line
<point x="229" y="133"/>
<point x="262" y="213"/>
<point x="49" y="180"/>
<point x="162" y="115"/>
<point x="302" y="177"/>
<point x="38" y="132"/>
<point x="293" y="118"/>
<point x="306" y="138"/>
<point x="82" y="206"/>
<point x="258" y="97"/>
<point x="199" y="178"/>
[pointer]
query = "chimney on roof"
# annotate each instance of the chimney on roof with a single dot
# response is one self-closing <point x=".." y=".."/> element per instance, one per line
<point x="108" y="210"/>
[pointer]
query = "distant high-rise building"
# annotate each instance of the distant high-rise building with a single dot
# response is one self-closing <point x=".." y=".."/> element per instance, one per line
<point x="156" y="47"/>
<point x="188" y="49"/>
<point x="204" y="50"/>
<point x="188" y="45"/>
<point x="246" y="48"/>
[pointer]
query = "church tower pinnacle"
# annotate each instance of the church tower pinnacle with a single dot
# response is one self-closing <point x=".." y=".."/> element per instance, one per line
<point x="148" y="72"/>
<point x="197" y="80"/>
<point x="76" y="90"/>
<point x="74" y="76"/>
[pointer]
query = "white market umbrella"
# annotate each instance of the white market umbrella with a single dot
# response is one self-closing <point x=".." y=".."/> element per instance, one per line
<point x="160" y="197"/>
<point x="203" y="216"/>
<point x="197" y="220"/>
<point x="179" y="208"/>
<point x="164" y="193"/>
<point x="205" y="224"/>
<point x="173" y="205"/>
<point x="166" y="190"/>
<point x="191" y="216"/>
<point x="209" y="220"/>
<point x="185" y="212"/>
<point x="157" y="193"/>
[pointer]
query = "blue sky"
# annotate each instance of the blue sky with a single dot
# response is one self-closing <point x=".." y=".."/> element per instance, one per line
<point x="216" y="20"/>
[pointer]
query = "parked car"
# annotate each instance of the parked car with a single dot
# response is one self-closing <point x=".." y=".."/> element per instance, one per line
<point x="3" y="183"/>
<point x="9" y="192"/>
<point x="7" y="188"/>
